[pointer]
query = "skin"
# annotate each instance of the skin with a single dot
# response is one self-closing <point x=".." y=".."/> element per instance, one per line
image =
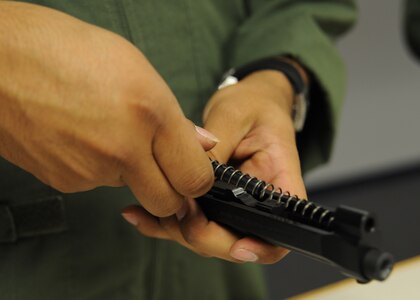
<point x="252" y="120"/>
<point x="83" y="108"/>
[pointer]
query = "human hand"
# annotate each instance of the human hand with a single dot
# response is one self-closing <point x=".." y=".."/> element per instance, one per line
<point x="81" y="107"/>
<point x="253" y="121"/>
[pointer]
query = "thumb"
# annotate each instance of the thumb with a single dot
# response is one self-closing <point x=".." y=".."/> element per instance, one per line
<point x="206" y="138"/>
<point x="230" y="128"/>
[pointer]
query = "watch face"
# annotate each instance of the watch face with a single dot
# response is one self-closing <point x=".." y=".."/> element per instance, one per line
<point x="229" y="80"/>
<point x="300" y="109"/>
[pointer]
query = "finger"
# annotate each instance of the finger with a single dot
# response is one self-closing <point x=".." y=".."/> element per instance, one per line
<point x="250" y="249"/>
<point x="206" y="236"/>
<point x="151" y="187"/>
<point x="246" y="249"/>
<point x="172" y="227"/>
<point x="272" y="161"/>
<point x="206" y="138"/>
<point x="229" y="126"/>
<point x="181" y="157"/>
<point x="287" y="177"/>
<point x="209" y="237"/>
<point x="162" y="228"/>
<point x="145" y="223"/>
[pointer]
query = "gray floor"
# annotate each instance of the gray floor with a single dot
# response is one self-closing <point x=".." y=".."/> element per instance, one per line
<point x="380" y="123"/>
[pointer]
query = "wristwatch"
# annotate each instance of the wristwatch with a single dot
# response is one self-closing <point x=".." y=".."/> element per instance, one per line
<point x="300" y="103"/>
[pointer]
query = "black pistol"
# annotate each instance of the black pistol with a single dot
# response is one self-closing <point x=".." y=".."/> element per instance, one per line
<point x="344" y="237"/>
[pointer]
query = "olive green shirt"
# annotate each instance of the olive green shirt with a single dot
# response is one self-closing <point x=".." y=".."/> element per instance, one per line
<point x="77" y="246"/>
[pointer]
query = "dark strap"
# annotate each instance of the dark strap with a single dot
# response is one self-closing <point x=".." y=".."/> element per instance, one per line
<point x="39" y="217"/>
<point x="286" y="68"/>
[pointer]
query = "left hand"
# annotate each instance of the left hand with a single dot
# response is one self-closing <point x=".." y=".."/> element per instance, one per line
<point x="253" y="121"/>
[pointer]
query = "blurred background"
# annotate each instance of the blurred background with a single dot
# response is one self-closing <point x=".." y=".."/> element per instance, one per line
<point x="376" y="161"/>
<point x="380" y="124"/>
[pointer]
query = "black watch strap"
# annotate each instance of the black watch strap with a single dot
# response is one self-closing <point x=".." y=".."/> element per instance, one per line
<point x="286" y="68"/>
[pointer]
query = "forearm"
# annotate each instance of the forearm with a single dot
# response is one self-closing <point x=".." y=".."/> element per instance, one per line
<point x="44" y="52"/>
<point x="30" y="35"/>
<point x="35" y="40"/>
<point x="29" y="31"/>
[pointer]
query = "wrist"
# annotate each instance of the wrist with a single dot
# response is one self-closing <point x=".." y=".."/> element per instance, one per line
<point x="289" y="74"/>
<point x="274" y="85"/>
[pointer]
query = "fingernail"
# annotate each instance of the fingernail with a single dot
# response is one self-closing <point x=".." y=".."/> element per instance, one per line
<point x="206" y="134"/>
<point x="244" y="255"/>
<point x="130" y="219"/>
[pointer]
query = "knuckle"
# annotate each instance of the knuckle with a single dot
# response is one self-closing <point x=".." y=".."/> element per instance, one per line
<point x="166" y="224"/>
<point x="229" y="109"/>
<point x="195" y="183"/>
<point x="145" y="109"/>
<point x="193" y="236"/>
<point x="113" y="153"/>
<point x="163" y="209"/>
<point x="110" y="166"/>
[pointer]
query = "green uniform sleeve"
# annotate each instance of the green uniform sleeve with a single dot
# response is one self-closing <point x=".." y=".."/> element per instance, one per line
<point x="305" y="30"/>
<point x="412" y="26"/>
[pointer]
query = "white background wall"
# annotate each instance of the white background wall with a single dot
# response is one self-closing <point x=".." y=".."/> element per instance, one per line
<point x="380" y="125"/>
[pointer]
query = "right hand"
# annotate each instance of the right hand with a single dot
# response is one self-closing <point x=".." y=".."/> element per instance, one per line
<point x="81" y="107"/>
